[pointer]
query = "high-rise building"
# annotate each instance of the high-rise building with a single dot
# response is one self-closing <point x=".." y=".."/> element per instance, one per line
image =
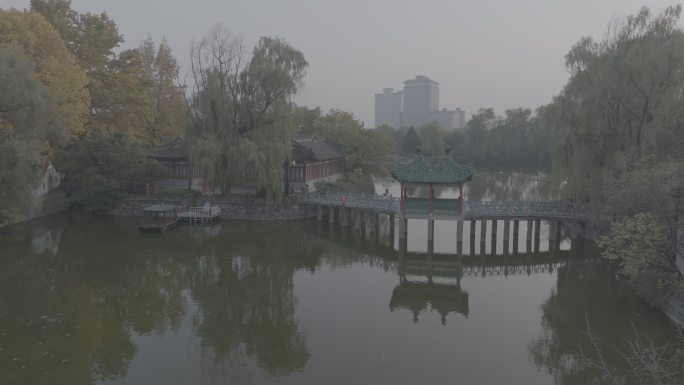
<point x="421" y="99"/>
<point x="388" y="107"/>
<point x="417" y="105"/>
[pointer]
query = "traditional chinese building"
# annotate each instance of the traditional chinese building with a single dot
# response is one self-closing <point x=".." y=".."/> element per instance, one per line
<point x="174" y="157"/>
<point x="419" y="172"/>
<point x="313" y="160"/>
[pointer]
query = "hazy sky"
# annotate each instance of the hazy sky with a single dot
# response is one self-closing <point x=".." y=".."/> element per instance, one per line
<point x="486" y="53"/>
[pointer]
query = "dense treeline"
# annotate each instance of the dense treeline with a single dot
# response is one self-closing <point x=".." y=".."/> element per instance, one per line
<point x="488" y="140"/>
<point x="69" y="99"/>
<point x="618" y="134"/>
<point x="617" y="146"/>
<point x="618" y="120"/>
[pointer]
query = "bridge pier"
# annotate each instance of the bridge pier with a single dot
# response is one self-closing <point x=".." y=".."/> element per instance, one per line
<point x="376" y="223"/>
<point x="472" y="236"/>
<point x="528" y="238"/>
<point x="459" y="237"/>
<point x="554" y="235"/>
<point x="392" y="225"/>
<point x="507" y="236"/>
<point x="483" y="236"/>
<point x="357" y="220"/>
<point x="319" y="213"/>
<point x="516" y="237"/>
<point x="403" y="228"/>
<point x="537" y="232"/>
<point x="431" y="236"/>
<point x="495" y="223"/>
<point x="331" y="215"/>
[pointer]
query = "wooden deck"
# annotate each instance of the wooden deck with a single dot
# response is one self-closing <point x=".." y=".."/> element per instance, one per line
<point x="157" y="224"/>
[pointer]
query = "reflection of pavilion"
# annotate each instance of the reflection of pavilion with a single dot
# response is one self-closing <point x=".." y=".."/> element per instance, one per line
<point x="421" y="296"/>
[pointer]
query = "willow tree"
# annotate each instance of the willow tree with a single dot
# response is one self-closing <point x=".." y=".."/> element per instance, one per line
<point x="241" y="130"/>
<point x="622" y="106"/>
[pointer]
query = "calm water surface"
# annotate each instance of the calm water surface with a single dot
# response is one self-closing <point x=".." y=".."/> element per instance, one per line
<point x="92" y="301"/>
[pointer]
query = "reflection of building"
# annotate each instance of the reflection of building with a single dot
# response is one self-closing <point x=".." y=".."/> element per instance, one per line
<point x="313" y="160"/>
<point x="415" y="106"/>
<point x="419" y="296"/>
<point x="442" y="297"/>
<point x="46" y="240"/>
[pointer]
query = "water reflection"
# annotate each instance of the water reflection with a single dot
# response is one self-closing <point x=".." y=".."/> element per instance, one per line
<point x="429" y="296"/>
<point x="87" y="313"/>
<point x="72" y="319"/>
<point x="613" y="314"/>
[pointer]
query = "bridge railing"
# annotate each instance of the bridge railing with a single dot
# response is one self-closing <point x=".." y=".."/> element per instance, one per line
<point x="352" y="200"/>
<point x="560" y="210"/>
<point x="521" y="209"/>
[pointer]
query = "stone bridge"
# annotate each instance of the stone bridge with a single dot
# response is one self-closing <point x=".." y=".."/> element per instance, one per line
<point x="449" y="209"/>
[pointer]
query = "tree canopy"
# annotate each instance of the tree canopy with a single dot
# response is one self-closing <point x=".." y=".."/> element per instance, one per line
<point x="622" y="105"/>
<point x="241" y="124"/>
<point x="54" y="66"/>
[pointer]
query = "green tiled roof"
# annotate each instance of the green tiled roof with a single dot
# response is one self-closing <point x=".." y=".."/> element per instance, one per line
<point x="441" y="172"/>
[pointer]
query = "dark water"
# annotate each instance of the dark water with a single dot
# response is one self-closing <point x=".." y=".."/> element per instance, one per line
<point x="92" y="301"/>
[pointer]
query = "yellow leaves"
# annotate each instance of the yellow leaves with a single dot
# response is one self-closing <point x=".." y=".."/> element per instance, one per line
<point x="55" y="66"/>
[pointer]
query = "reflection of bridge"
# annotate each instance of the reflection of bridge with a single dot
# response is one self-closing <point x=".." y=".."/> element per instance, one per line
<point x="431" y="282"/>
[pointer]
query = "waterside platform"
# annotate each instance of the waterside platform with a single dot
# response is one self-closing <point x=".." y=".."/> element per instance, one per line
<point x="158" y="218"/>
<point x="204" y="214"/>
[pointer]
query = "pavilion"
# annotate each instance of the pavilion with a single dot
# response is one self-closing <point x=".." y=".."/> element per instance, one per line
<point x="444" y="172"/>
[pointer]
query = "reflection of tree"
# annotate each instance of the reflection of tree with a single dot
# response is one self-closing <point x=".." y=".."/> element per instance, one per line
<point x="585" y="289"/>
<point x="509" y="187"/>
<point x="68" y="318"/>
<point x="246" y="299"/>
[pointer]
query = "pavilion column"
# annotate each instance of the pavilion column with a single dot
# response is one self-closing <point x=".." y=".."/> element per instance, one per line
<point x="460" y="195"/>
<point x="430" y="199"/>
<point x="402" y="197"/>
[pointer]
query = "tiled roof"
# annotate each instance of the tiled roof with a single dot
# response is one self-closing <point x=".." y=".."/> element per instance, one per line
<point x="178" y="149"/>
<point x="442" y="172"/>
<point x="316" y="149"/>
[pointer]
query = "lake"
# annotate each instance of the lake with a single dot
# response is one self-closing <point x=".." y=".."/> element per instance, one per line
<point x="89" y="300"/>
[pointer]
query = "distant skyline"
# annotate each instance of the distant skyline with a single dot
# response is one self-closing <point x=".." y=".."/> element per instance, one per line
<point x="497" y="53"/>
